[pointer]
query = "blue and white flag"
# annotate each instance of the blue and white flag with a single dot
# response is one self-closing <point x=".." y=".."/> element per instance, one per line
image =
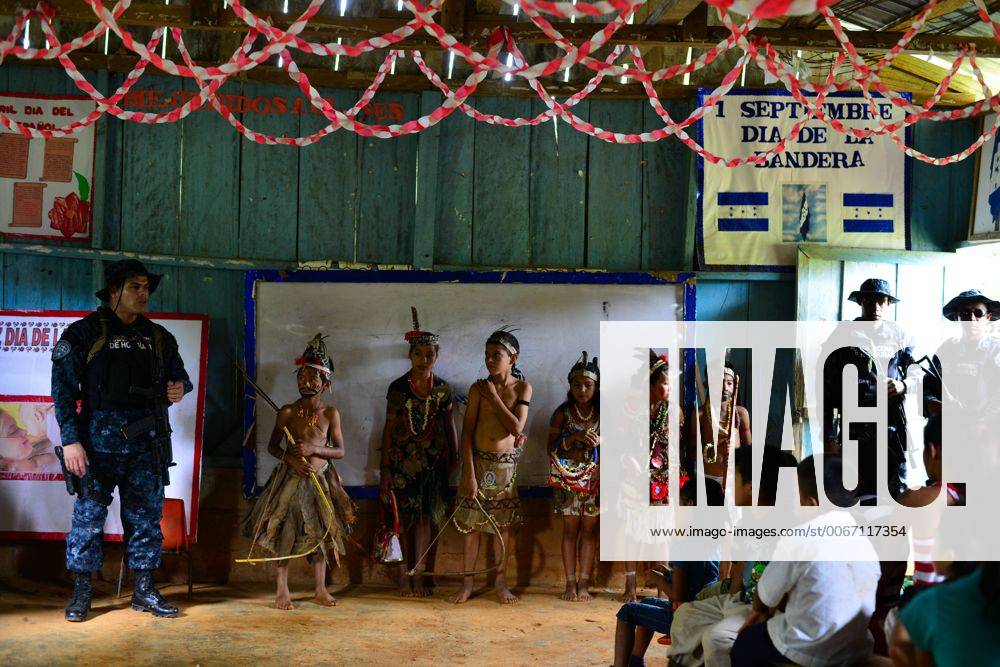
<point x="742" y="212"/>
<point x="825" y="187"/>
<point x="865" y="212"/>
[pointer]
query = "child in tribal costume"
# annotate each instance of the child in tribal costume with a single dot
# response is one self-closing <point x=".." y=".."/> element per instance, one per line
<point x="492" y="442"/>
<point x="574" y="438"/>
<point x="291" y="517"/>
<point x="659" y="437"/>
<point x="659" y="431"/>
<point x="419" y="447"/>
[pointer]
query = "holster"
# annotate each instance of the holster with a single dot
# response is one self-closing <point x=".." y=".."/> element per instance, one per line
<point x="158" y="424"/>
<point x="75" y="486"/>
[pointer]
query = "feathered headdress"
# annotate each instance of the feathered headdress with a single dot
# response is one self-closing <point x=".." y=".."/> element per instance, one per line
<point x="585" y="368"/>
<point x="315" y="356"/>
<point x="505" y="339"/>
<point x="418" y="337"/>
<point x="657" y="362"/>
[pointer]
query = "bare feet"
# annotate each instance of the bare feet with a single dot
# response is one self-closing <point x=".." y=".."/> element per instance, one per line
<point x="629" y="594"/>
<point x="503" y="593"/>
<point x="464" y="594"/>
<point x="405" y="588"/>
<point x="419" y="590"/>
<point x="284" y="601"/>
<point x="583" y="591"/>
<point x="569" y="595"/>
<point x="324" y="598"/>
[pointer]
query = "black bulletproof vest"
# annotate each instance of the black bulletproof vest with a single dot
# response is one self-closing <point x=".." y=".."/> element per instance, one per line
<point x="119" y="373"/>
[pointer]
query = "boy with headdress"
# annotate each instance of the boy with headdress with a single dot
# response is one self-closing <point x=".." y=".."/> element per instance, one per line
<point x="574" y="438"/>
<point x="419" y="446"/>
<point x="293" y="516"/>
<point x="492" y="440"/>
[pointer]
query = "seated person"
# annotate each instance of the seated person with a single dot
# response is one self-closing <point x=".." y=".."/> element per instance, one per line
<point x="954" y="623"/>
<point x="703" y="631"/>
<point x="637" y="621"/>
<point x="825" y="604"/>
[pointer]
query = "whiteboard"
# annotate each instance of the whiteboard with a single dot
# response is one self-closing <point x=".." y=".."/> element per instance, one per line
<point x="365" y="322"/>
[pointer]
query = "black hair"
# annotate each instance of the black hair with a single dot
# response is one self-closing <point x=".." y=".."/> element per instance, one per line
<point x="504" y="338"/>
<point x="713" y="492"/>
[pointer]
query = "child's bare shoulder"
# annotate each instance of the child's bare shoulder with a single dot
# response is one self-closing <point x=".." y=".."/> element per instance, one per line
<point x="523" y="388"/>
<point x="286" y="411"/>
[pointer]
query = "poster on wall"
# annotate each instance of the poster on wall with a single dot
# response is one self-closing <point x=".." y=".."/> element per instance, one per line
<point x="33" y="498"/>
<point x="47" y="185"/>
<point x="985" y="223"/>
<point x="824" y="188"/>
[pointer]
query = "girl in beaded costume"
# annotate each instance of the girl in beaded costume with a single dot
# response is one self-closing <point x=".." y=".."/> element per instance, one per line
<point x="290" y="517"/>
<point x="659" y="437"/>
<point x="574" y="438"/>
<point x="419" y="452"/>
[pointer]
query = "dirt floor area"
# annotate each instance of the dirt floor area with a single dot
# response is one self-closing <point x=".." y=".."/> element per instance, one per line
<point x="371" y="626"/>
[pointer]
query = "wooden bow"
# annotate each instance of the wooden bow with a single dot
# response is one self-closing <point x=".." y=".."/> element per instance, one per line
<point x="496" y="529"/>
<point x="270" y="492"/>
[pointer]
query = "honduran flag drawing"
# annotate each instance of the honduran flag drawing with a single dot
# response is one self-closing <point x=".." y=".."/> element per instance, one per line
<point x="867" y="212"/>
<point x="742" y="211"/>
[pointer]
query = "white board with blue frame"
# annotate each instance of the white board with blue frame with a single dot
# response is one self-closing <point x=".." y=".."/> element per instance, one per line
<point x="557" y="314"/>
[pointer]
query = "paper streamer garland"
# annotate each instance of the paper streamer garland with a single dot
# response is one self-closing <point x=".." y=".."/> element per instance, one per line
<point x="769" y="9"/>
<point x="271" y="41"/>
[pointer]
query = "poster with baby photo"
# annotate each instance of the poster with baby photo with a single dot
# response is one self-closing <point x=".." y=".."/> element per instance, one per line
<point x="34" y="501"/>
<point x="28" y="435"/>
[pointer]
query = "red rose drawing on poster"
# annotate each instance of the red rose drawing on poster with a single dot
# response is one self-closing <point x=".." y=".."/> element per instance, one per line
<point x="72" y="214"/>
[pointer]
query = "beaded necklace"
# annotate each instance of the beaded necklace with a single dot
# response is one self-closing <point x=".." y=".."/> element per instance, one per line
<point x="413" y="412"/>
<point x="658" y="430"/>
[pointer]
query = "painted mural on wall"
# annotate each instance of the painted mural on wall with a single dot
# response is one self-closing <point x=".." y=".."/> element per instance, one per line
<point x="46" y="185"/>
<point x="825" y="187"/>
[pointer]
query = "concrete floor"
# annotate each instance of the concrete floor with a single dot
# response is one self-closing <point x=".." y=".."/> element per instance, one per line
<point x="371" y="626"/>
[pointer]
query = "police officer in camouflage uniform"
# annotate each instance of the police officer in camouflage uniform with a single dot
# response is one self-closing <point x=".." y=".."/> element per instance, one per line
<point x="126" y="371"/>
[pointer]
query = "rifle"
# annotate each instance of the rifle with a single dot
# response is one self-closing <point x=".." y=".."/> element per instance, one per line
<point x="156" y="424"/>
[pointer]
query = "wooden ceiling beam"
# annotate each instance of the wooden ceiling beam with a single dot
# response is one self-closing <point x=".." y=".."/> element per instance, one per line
<point x="610" y="88"/>
<point x="934" y="74"/>
<point x="943" y="8"/>
<point x="477" y="28"/>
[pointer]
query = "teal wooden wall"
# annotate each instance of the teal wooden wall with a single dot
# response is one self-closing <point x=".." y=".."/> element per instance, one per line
<point x="462" y="194"/>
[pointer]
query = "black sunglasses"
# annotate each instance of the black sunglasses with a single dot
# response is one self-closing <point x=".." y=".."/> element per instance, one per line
<point x="975" y="313"/>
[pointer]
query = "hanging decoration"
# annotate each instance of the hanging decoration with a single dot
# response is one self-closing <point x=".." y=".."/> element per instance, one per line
<point x="264" y="42"/>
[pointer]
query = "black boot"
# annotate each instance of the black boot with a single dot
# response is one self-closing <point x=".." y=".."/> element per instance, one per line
<point x="147" y="598"/>
<point x="79" y="602"/>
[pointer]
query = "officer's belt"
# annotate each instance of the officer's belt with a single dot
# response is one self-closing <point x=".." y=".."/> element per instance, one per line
<point x="140" y="427"/>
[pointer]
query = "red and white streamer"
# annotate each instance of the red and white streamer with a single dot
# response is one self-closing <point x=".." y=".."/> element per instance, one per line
<point x="265" y="41"/>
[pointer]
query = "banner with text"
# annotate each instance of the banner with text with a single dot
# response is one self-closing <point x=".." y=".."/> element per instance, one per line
<point x="825" y="187"/>
<point x="34" y="502"/>
<point x="47" y="185"/>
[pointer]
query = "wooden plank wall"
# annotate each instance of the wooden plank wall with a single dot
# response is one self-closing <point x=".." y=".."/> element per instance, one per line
<point x="462" y="194"/>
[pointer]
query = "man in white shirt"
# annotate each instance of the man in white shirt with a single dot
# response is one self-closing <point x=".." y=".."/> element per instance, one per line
<point x="813" y="611"/>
